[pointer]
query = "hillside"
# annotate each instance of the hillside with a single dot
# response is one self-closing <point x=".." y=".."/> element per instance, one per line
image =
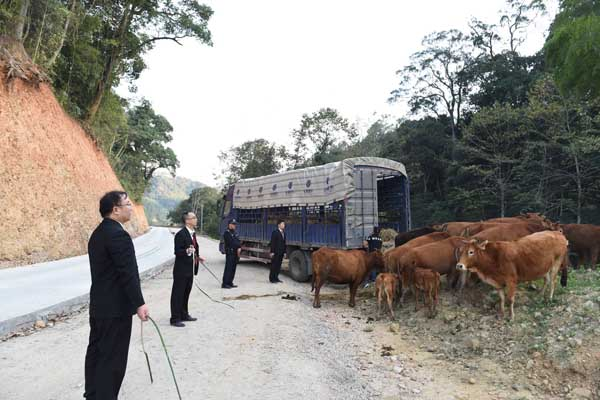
<point x="51" y="177"/>
<point x="164" y="194"/>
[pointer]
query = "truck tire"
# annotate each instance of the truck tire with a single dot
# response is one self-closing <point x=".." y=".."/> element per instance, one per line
<point x="298" y="266"/>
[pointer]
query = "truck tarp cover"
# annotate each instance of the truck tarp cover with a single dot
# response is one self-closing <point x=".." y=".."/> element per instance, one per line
<point x="320" y="185"/>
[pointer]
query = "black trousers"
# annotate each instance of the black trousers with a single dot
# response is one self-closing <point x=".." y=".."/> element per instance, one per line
<point x="180" y="295"/>
<point x="275" y="267"/>
<point x="231" y="261"/>
<point x="106" y="357"/>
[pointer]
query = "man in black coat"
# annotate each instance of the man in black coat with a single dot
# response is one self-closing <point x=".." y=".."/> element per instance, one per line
<point x="233" y="249"/>
<point x="277" y="251"/>
<point x="187" y="261"/>
<point x="115" y="295"/>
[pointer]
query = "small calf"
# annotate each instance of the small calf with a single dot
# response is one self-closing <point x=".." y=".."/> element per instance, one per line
<point x="386" y="286"/>
<point x="428" y="282"/>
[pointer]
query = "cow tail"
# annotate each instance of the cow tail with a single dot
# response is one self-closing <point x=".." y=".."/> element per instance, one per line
<point x="313" y="281"/>
<point x="564" y="270"/>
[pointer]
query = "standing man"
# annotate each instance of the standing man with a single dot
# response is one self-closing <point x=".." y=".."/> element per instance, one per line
<point x="115" y="296"/>
<point x="374" y="243"/>
<point x="233" y="248"/>
<point x="277" y="251"/>
<point x="187" y="261"/>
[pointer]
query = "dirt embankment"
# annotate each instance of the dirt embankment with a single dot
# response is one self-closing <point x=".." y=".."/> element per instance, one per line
<point x="51" y="178"/>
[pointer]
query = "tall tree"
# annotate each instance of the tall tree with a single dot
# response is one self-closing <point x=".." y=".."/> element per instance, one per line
<point x="127" y="24"/>
<point x="435" y="80"/>
<point x="572" y="49"/>
<point x="319" y="134"/>
<point x="494" y="141"/>
<point x="251" y="159"/>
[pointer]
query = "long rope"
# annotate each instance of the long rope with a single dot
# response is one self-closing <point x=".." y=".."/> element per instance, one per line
<point x="211" y="299"/>
<point x="164" y="346"/>
<point x="144" y="350"/>
<point x="212" y="273"/>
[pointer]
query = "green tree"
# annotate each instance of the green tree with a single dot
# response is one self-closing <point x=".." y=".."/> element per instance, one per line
<point x="435" y="80"/>
<point x="320" y="134"/>
<point x="126" y="26"/>
<point x="492" y="148"/>
<point x="206" y="204"/>
<point x="141" y="150"/>
<point x="572" y="50"/>
<point x="251" y="159"/>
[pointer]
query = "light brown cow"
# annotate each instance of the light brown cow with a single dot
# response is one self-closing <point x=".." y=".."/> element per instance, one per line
<point x="584" y="239"/>
<point x="455" y="228"/>
<point x="439" y="256"/>
<point x="391" y="257"/>
<point x="386" y="286"/>
<point x="428" y="282"/>
<point x="342" y="266"/>
<point x="504" y="264"/>
<point x="527" y="217"/>
<point x="508" y="232"/>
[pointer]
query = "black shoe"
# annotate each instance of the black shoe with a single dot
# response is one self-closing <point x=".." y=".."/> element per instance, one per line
<point x="226" y="287"/>
<point x="232" y="285"/>
<point x="178" y="324"/>
<point x="278" y="280"/>
<point x="189" y="318"/>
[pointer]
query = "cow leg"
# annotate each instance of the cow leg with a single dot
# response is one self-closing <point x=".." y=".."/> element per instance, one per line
<point x="546" y="281"/>
<point x="593" y="257"/>
<point x="511" y="289"/>
<point x="353" y="288"/>
<point x="378" y="294"/>
<point x="430" y="301"/>
<point x="416" y="298"/>
<point x="390" y="301"/>
<point x="553" y="274"/>
<point x="501" y="310"/>
<point x="318" y="283"/>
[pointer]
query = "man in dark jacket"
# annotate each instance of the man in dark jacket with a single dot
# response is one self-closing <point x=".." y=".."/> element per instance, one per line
<point x="233" y="248"/>
<point x="277" y="251"/>
<point x="115" y="295"/>
<point x="374" y="243"/>
<point x="187" y="261"/>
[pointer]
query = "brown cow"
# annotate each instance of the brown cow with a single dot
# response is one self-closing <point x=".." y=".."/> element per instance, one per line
<point x="584" y="239"/>
<point x="508" y="232"/>
<point x="404" y="237"/>
<point x="428" y="282"/>
<point x="439" y="256"/>
<point x="342" y="266"/>
<point x="455" y="228"/>
<point x="528" y="217"/>
<point x="386" y="285"/>
<point x="504" y="264"/>
<point x="392" y="257"/>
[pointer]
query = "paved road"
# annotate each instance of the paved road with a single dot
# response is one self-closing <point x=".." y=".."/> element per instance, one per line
<point x="57" y="286"/>
<point x="266" y="348"/>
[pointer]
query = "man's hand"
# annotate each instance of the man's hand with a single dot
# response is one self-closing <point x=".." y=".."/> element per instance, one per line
<point x="239" y="251"/>
<point x="190" y="250"/>
<point x="202" y="259"/>
<point x="271" y="254"/>
<point x="142" y="312"/>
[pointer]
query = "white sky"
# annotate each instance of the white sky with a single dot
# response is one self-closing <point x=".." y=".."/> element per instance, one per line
<point x="273" y="61"/>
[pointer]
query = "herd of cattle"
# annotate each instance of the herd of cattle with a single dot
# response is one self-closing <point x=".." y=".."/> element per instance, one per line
<point x="500" y="252"/>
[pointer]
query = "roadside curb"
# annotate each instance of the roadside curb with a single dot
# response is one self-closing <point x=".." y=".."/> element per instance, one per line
<point x="13" y="325"/>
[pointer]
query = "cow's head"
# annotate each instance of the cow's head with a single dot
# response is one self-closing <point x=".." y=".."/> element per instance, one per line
<point x="469" y="254"/>
<point x="555" y="226"/>
<point x="376" y="260"/>
<point x="438" y="227"/>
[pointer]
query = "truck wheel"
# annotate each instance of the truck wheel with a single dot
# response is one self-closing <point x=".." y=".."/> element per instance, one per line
<point x="298" y="266"/>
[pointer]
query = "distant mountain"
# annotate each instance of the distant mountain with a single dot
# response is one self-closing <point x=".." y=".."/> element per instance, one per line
<point x="164" y="194"/>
